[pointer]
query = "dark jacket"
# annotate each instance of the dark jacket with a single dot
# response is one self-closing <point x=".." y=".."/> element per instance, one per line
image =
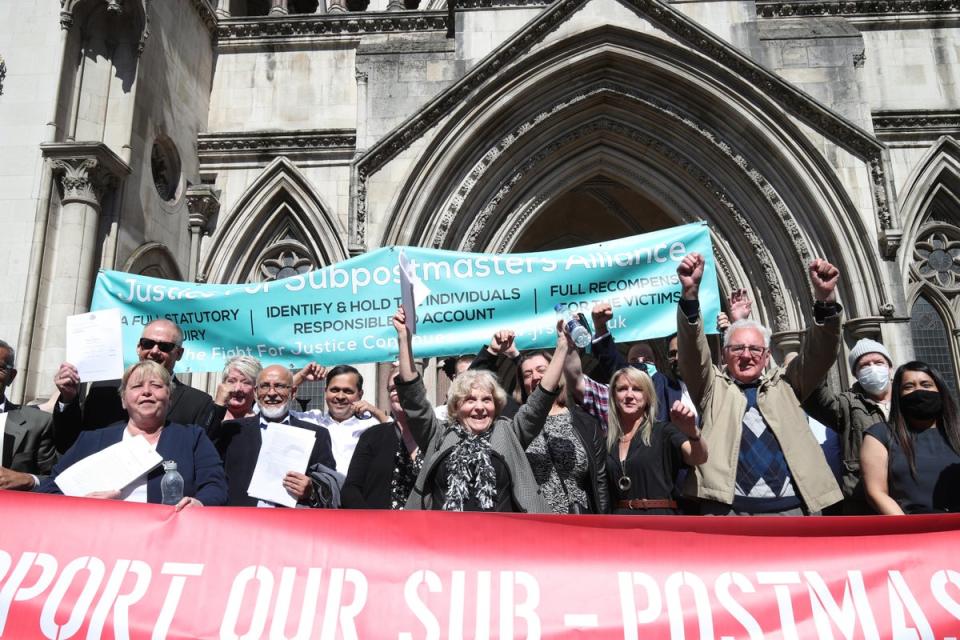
<point x="238" y="442"/>
<point x="28" y="441"/>
<point x="850" y="414"/>
<point x="371" y="468"/>
<point x="187" y="445"/>
<point x="102" y="407"/>
<point x="593" y="441"/>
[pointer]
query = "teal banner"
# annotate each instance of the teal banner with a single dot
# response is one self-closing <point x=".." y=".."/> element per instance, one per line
<point x="341" y="314"/>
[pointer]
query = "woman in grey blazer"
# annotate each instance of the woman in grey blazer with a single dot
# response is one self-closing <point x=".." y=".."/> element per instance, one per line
<point x="476" y="461"/>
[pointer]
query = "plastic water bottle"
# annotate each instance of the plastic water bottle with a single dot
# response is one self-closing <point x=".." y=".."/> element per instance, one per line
<point x="171" y="484"/>
<point x="579" y="333"/>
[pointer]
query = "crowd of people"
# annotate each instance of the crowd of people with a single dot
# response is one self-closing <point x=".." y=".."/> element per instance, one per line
<point x="532" y="432"/>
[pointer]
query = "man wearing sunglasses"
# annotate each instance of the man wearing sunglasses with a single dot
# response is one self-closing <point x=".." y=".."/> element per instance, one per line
<point x="764" y="459"/>
<point x="161" y="341"/>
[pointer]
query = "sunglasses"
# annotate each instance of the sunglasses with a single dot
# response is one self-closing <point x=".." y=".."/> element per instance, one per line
<point x="146" y="344"/>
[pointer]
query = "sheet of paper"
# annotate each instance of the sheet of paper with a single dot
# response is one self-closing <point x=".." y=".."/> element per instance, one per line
<point x="111" y="469"/>
<point x="94" y="345"/>
<point x="412" y="292"/>
<point x="283" y="448"/>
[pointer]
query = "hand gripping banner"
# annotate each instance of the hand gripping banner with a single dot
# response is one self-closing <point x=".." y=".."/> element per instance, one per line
<point x="83" y="568"/>
<point x="342" y="313"/>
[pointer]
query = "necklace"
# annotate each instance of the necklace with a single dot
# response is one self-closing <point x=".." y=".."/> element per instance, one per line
<point x="624" y="483"/>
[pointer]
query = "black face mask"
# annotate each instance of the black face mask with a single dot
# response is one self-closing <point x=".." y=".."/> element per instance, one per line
<point x="921" y="404"/>
<point x="640" y="365"/>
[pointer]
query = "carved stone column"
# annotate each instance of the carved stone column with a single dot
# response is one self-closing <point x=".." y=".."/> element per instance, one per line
<point x="86" y="173"/>
<point x="223" y="9"/>
<point x="337" y="6"/>
<point x="203" y="203"/>
<point x="278" y="8"/>
<point x="784" y="342"/>
<point x="396" y="5"/>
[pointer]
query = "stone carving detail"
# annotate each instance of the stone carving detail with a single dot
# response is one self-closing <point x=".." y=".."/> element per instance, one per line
<point x="936" y="122"/>
<point x="936" y="257"/>
<point x="475" y="175"/>
<point x="67" y="7"/>
<point x="768" y="268"/>
<point x="476" y="4"/>
<point x="671" y="21"/>
<point x="203" y="203"/>
<point x="275" y="143"/>
<point x="286" y="263"/>
<point x="3" y="73"/>
<point x="865" y="8"/>
<point x="332" y="24"/>
<point x="83" y="180"/>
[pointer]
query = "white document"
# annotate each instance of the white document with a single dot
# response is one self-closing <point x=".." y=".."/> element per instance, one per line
<point x="94" y="345"/>
<point x="111" y="469"/>
<point x="412" y="292"/>
<point x="283" y="448"/>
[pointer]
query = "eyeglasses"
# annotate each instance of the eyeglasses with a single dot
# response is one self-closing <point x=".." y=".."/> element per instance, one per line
<point x="279" y="387"/>
<point x="738" y="349"/>
<point x="146" y="344"/>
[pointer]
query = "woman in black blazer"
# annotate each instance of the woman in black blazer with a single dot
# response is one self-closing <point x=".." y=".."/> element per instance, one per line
<point x="385" y="463"/>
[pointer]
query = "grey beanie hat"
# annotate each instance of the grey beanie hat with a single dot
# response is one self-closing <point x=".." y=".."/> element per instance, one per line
<point x="865" y="346"/>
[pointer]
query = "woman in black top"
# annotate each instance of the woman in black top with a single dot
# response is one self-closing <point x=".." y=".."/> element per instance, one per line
<point x="385" y="463"/>
<point x="644" y="456"/>
<point x="912" y="464"/>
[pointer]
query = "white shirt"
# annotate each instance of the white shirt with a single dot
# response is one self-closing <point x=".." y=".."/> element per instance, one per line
<point x="136" y="491"/>
<point x="343" y="435"/>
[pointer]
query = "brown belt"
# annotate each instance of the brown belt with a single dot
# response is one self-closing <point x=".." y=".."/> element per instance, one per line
<point x="643" y="503"/>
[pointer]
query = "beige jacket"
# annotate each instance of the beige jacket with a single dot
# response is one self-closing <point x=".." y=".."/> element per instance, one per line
<point x="722" y="406"/>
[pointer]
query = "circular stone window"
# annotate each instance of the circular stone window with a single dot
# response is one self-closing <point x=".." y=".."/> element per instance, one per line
<point x="165" y="163"/>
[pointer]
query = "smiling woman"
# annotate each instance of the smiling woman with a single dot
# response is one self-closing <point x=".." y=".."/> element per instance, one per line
<point x="476" y="462"/>
<point x="145" y="393"/>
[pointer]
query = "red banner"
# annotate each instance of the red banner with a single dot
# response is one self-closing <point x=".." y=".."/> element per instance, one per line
<point x="76" y="568"/>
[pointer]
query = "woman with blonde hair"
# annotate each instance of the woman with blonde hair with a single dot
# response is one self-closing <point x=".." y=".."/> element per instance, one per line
<point x="644" y="456"/>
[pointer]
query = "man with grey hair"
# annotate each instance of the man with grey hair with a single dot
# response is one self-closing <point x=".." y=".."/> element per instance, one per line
<point x="26" y="435"/>
<point x="162" y="342"/>
<point x="764" y="460"/>
<point x="239" y="442"/>
<point x="852" y="412"/>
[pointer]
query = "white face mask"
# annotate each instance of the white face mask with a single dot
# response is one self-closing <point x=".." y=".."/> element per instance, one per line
<point x="874" y="378"/>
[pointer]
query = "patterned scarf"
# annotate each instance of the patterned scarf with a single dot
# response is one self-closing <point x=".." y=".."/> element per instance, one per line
<point x="405" y="471"/>
<point x="470" y="471"/>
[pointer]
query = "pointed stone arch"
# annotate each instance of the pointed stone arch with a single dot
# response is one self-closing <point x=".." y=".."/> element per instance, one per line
<point x="279" y="226"/>
<point x="155" y="260"/>
<point x="686" y="130"/>
<point x="932" y="191"/>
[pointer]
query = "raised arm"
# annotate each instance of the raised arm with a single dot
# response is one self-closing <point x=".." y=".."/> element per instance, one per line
<point x="421" y="419"/>
<point x="696" y="365"/>
<point x="531" y="417"/>
<point x="821" y="342"/>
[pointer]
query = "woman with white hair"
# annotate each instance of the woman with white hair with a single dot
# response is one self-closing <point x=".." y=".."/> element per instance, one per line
<point x="236" y="392"/>
<point x="476" y="461"/>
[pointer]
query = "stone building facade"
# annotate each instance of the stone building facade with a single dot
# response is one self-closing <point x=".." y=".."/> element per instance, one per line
<point x="243" y="140"/>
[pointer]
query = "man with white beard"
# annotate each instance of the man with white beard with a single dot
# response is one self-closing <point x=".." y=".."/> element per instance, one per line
<point x="238" y="442"/>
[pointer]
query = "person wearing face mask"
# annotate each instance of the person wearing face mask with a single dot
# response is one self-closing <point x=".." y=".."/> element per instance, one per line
<point x="850" y="413"/>
<point x="911" y="463"/>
